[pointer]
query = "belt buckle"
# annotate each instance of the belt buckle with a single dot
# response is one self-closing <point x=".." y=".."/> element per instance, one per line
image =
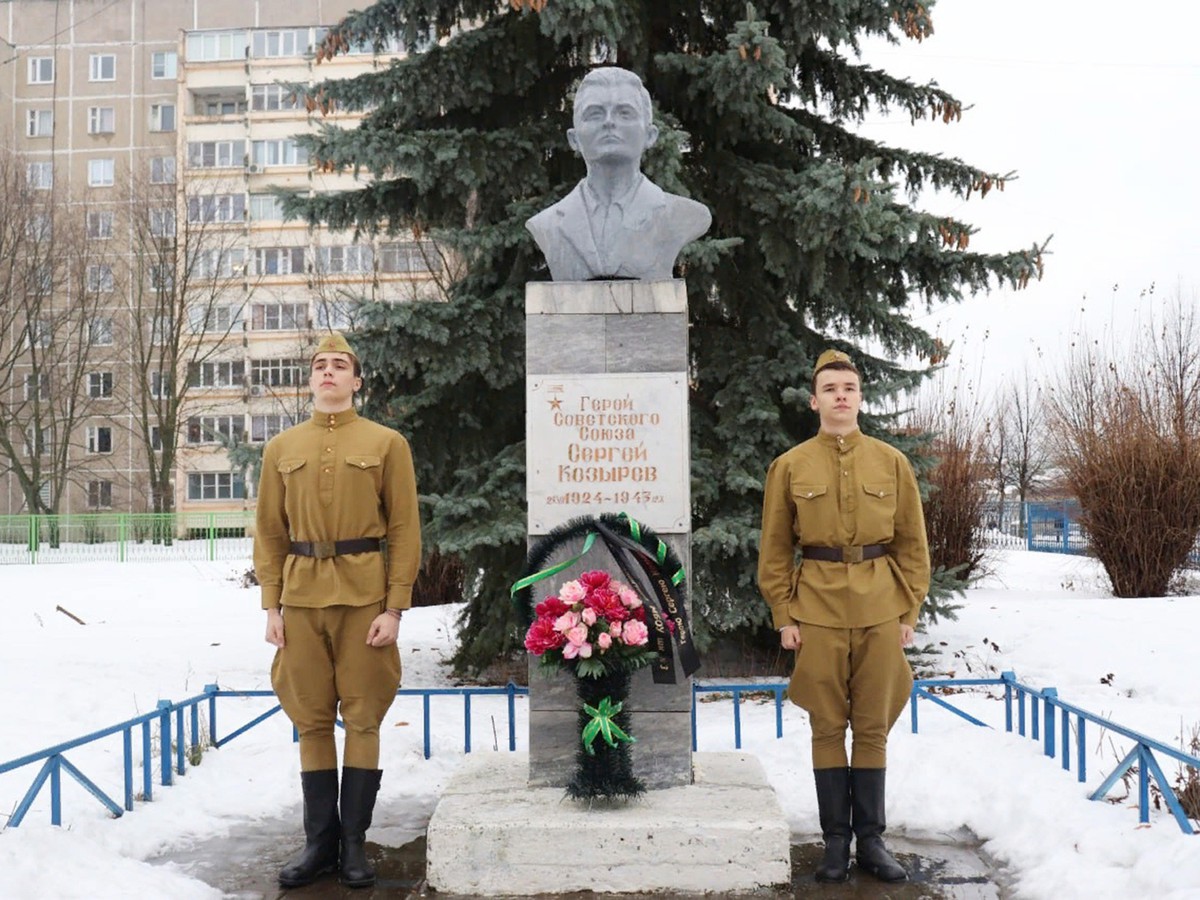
<point x="852" y="554"/>
<point x="324" y="549"/>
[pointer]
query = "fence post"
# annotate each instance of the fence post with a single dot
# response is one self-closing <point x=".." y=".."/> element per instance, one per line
<point x="164" y="739"/>
<point x="211" y="690"/>
<point x="121" y="536"/>
<point x="1049" y="695"/>
<point x="212" y="537"/>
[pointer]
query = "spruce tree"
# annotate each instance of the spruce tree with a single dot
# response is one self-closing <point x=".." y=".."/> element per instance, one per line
<point x="816" y="241"/>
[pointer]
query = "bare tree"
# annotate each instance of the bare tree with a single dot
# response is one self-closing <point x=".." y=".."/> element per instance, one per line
<point x="54" y="334"/>
<point x="1024" y="421"/>
<point x="189" y="290"/>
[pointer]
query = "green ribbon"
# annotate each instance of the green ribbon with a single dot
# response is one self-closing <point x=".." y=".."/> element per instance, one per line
<point x="553" y="570"/>
<point x="602" y="725"/>
<point x="660" y="552"/>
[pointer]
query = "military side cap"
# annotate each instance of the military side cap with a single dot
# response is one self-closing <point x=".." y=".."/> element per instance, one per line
<point x="829" y="357"/>
<point x="334" y="342"/>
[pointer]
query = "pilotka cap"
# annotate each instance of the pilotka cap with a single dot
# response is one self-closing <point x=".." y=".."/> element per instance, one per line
<point x="829" y="357"/>
<point x="335" y="342"/>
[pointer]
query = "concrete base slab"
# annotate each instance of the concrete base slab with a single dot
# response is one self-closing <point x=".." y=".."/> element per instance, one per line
<point x="492" y="834"/>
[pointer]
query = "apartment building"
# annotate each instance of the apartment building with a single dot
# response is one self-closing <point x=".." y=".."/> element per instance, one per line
<point x="150" y="135"/>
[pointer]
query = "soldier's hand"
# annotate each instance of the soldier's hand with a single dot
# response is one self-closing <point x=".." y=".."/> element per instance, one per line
<point x="907" y="635"/>
<point x="384" y="628"/>
<point x="275" y="628"/>
<point x="789" y="637"/>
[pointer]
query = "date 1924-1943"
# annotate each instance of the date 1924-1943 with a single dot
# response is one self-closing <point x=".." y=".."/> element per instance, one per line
<point x="599" y="498"/>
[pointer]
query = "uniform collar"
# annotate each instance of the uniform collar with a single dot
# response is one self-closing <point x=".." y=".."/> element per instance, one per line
<point x="840" y="442"/>
<point x="334" y="420"/>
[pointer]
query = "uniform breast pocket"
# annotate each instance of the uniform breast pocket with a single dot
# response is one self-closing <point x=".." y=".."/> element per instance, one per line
<point x="287" y="468"/>
<point x="881" y="498"/>
<point x="366" y="472"/>
<point x="808" y="492"/>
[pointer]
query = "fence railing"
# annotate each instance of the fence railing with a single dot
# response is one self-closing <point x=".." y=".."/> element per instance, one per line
<point x="1049" y="721"/>
<point x="126" y="537"/>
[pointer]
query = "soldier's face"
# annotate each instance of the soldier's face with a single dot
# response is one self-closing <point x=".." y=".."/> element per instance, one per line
<point x="609" y="125"/>
<point x="837" y="398"/>
<point x="333" y="382"/>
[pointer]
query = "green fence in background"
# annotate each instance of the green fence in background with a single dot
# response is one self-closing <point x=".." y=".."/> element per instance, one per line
<point x="126" y="537"/>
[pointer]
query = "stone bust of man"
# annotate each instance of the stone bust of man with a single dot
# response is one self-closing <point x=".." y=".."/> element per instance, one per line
<point x="616" y="223"/>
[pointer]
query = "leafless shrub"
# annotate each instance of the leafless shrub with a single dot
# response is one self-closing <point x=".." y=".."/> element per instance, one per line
<point x="439" y="581"/>
<point x="1127" y="431"/>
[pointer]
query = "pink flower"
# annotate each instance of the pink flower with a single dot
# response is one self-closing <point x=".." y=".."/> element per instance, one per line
<point x="615" y="629"/>
<point x="542" y="637"/>
<point x="629" y="596"/>
<point x="551" y="608"/>
<point x="578" y="635"/>
<point x="566" y="621"/>
<point x="588" y="616"/>
<point x="594" y="580"/>
<point x="607" y="605"/>
<point x="572" y="592"/>
<point x="634" y="633"/>
<point x="570" y="651"/>
<point x="604" y="640"/>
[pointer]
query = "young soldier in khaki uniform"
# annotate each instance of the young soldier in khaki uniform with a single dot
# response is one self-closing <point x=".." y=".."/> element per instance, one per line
<point x="337" y="495"/>
<point x="851" y="505"/>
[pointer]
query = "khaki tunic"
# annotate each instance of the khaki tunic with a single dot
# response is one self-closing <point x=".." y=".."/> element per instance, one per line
<point x="334" y="478"/>
<point x="836" y="491"/>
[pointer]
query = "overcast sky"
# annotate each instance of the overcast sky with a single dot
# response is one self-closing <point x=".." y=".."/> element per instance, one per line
<point x="1096" y="106"/>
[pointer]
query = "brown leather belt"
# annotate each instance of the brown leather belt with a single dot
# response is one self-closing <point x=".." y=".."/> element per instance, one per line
<point x="844" y="554"/>
<point x="326" y="549"/>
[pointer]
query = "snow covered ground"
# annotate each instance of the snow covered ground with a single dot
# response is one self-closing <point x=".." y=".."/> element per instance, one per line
<point x="163" y="630"/>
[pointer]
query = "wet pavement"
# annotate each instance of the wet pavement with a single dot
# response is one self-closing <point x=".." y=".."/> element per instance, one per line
<point x="243" y="866"/>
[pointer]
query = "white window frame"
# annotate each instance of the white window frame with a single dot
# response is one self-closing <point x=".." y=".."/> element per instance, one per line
<point x="162" y="222"/>
<point x="278" y="316"/>
<point x="216" y="208"/>
<point x="162" y="277"/>
<point x="216" y="154"/>
<point x="39" y="123"/>
<point x="99" y="494"/>
<point x="100" y="331"/>
<point x="100" y="385"/>
<point x="100" y="279"/>
<point x="100" y="224"/>
<point x="211" y="46"/>
<point x="278" y="260"/>
<point x="162" y="170"/>
<point x="278" y="152"/>
<point x="43" y="386"/>
<point x="102" y="172"/>
<point x="41" y="70"/>
<point x="161" y="384"/>
<point x="162" y="117"/>
<point x="274" y="98"/>
<point x="97" y="437"/>
<point x="280" y="42"/>
<point x="38" y="333"/>
<point x="203" y="486"/>
<point x="98" y="62"/>
<point x="102" y="120"/>
<point x="164" y="64"/>
<point x="40" y="175"/>
<point x="346" y="259"/>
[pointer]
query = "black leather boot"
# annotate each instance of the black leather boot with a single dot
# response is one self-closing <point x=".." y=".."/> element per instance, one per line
<point x="867" y="803"/>
<point x="359" y="787"/>
<point x="322" y="830"/>
<point x="833" y="806"/>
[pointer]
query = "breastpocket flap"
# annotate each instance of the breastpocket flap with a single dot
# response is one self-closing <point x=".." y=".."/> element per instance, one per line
<point x="363" y="462"/>
<point x="287" y="466"/>
<point x="809" y="491"/>
<point x="880" y="489"/>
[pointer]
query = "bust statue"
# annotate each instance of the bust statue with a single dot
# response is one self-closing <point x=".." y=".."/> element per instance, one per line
<point x="616" y="223"/>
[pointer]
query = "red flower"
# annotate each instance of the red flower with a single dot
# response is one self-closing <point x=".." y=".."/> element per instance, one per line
<point x="594" y="580"/>
<point x="608" y="605"/>
<point x="542" y="636"/>
<point x="551" y="608"/>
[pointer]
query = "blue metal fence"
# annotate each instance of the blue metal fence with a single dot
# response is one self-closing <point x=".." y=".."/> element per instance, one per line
<point x="1048" y="717"/>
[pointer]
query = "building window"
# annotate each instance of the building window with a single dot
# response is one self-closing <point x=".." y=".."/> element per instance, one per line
<point x="336" y="314"/>
<point x="37" y="441"/>
<point x="278" y="372"/>
<point x="161" y="384"/>
<point x="39" y="226"/>
<point x="100" y="331"/>
<point x="265" y="208"/>
<point x="272" y="97"/>
<point x="39" y="123"/>
<point x="263" y="428"/>
<point x="216" y="154"/>
<point x="205" y="319"/>
<point x="292" y="42"/>
<point x="100" y="279"/>
<point x="214" y="429"/>
<point x="102" y="120"/>
<point x="99" y="439"/>
<point x="214" y="45"/>
<point x="102" y="67"/>
<point x="162" y="170"/>
<point x="40" y="175"/>
<point x="37" y="334"/>
<point x="156" y="438"/>
<point x="278" y="260"/>
<point x="218" y="104"/>
<point x="99" y="495"/>
<point x="100" y="225"/>
<point x="216" y="486"/>
<point x="162" y="278"/>
<point x="37" y="386"/>
<point x="162" y="222"/>
<point x="101" y="172"/>
<point x="279" y="316"/>
<point x="218" y="263"/>
<point x="100" y="384"/>
<point x="164" y="64"/>
<point x="281" y="152"/>
<point x="162" y="117"/>
<point x="41" y="70"/>
<point x="345" y="259"/>
<point x="217" y="208"/>
<point x="216" y="374"/>
<point x="162" y="329"/>
<point x="408" y="256"/>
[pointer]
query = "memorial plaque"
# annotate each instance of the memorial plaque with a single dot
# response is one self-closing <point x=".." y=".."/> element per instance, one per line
<point x="607" y="443"/>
